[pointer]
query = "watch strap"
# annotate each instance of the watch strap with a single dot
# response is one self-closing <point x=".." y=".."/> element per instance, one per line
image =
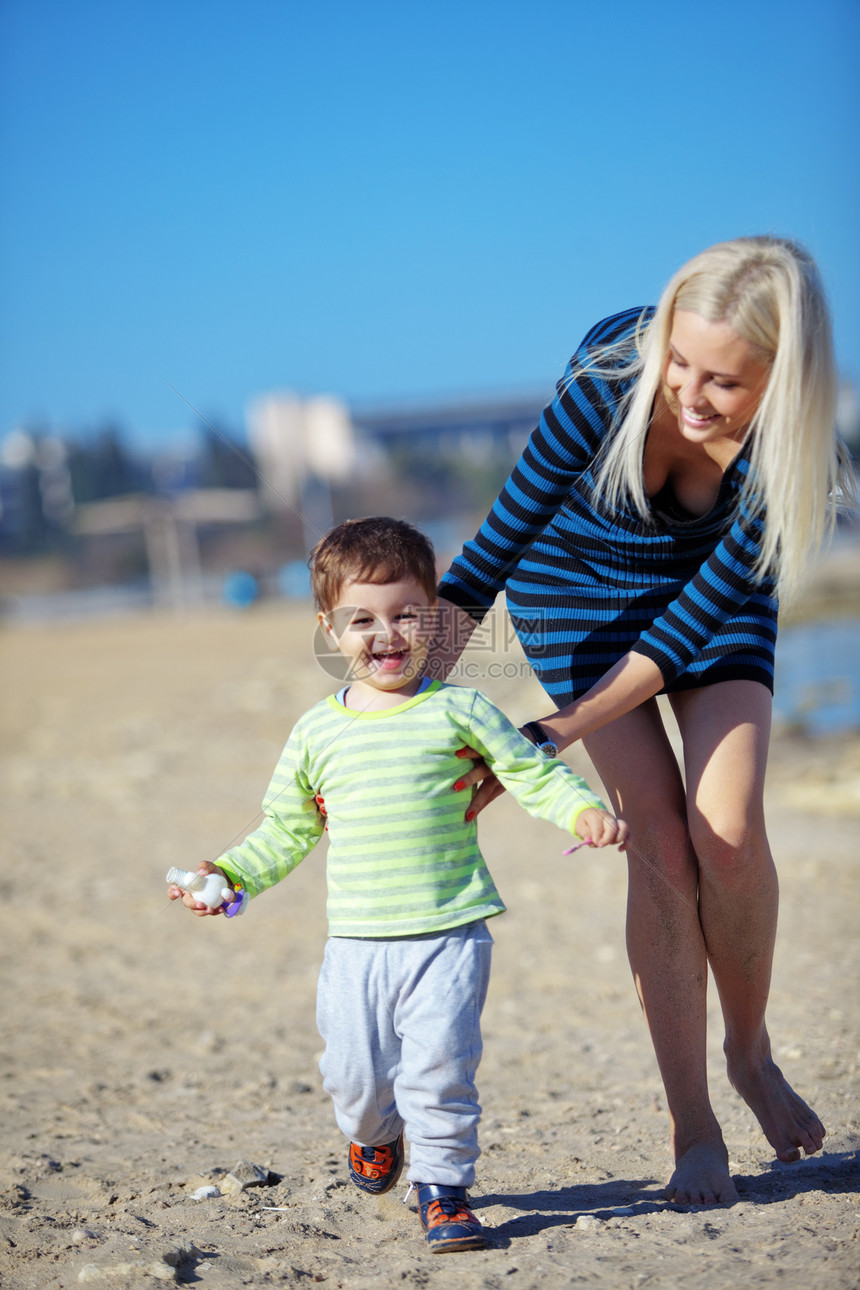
<point x="542" y="741"/>
<point x="537" y="733"/>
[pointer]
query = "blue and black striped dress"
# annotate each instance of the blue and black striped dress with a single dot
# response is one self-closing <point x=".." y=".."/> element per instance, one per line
<point x="585" y="585"/>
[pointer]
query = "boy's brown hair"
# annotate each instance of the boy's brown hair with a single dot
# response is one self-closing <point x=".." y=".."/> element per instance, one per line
<point x="377" y="549"/>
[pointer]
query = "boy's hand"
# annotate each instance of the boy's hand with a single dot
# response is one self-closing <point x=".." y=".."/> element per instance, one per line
<point x="601" y="830"/>
<point x="188" y="898"/>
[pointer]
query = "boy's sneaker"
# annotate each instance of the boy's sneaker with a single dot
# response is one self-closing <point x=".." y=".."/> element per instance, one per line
<point x="448" y="1222"/>
<point x="376" y="1169"/>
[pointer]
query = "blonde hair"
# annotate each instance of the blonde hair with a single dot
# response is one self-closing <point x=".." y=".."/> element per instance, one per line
<point x="768" y="290"/>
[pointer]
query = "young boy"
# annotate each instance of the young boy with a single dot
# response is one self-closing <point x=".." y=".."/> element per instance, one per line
<point x="407" y="961"/>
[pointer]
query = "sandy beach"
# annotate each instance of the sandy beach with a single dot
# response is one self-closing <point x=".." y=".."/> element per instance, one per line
<point x="148" y="1054"/>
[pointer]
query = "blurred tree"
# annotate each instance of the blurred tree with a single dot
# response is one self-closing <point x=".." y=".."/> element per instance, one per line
<point x="22" y="524"/>
<point x="114" y="470"/>
<point x="223" y="462"/>
<point x="101" y="466"/>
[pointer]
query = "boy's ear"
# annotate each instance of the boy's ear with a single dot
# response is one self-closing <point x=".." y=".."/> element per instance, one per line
<point x="328" y="632"/>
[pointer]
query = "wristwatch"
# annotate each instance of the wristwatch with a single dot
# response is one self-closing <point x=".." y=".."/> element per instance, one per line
<point x="542" y="741"/>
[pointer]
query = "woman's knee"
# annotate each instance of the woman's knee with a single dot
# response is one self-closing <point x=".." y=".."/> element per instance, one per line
<point x="665" y="836"/>
<point x="660" y="844"/>
<point x="730" y="843"/>
<point x="725" y="732"/>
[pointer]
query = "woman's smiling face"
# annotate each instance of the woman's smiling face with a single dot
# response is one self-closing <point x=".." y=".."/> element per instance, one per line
<point x="713" y="379"/>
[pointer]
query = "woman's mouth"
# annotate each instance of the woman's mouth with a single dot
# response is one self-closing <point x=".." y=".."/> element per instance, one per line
<point x="697" y="420"/>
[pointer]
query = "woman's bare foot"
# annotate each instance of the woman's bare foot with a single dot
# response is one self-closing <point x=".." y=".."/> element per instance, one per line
<point x="701" y="1177"/>
<point x="786" y="1121"/>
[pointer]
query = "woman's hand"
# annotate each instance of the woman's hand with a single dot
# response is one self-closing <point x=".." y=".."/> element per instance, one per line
<point x="481" y="778"/>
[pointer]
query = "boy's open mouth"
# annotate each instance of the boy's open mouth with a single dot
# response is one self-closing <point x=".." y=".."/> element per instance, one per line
<point x="389" y="658"/>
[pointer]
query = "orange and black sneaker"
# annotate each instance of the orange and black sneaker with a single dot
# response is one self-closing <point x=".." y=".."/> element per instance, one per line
<point x="376" y="1169"/>
<point x="448" y="1222"/>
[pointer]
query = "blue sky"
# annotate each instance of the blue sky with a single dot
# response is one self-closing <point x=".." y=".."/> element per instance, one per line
<point x="390" y="201"/>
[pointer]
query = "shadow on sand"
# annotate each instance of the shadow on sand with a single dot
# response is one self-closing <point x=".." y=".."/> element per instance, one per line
<point x="832" y="1172"/>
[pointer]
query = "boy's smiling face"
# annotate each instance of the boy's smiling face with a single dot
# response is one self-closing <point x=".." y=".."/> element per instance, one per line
<point x="384" y="630"/>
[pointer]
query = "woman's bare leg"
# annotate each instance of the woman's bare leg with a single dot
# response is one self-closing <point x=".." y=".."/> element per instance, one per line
<point x="725" y="729"/>
<point x="665" y="942"/>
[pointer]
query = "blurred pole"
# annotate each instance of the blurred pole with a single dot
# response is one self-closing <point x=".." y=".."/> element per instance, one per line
<point x="170" y="533"/>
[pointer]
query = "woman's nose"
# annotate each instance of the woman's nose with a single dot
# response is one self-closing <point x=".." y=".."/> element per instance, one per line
<point x="692" y="391"/>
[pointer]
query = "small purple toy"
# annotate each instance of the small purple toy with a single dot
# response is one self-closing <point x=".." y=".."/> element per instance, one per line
<point x="237" y="903"/>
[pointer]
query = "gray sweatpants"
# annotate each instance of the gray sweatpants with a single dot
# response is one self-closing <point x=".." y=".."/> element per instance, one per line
<point x="401" y="1020"/>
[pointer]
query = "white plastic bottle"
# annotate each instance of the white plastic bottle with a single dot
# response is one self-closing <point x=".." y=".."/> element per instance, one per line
<point x="210" y="889"/>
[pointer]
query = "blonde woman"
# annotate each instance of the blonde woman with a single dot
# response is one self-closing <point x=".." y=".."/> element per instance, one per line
<point x="686" y="469"/>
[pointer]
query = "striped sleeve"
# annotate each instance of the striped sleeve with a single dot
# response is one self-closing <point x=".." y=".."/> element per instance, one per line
<point x="565" y="442"/>
<point x="545" y="787"/>
<point x="291" y="827"/>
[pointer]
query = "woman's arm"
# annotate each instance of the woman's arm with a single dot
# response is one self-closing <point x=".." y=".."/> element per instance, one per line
<point x="562" y="447"/>
<point x="454" y="628"/>
<point x="633" y="680"/>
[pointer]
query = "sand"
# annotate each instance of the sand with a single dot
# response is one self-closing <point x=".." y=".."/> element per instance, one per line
<point x="146" y="1053"/>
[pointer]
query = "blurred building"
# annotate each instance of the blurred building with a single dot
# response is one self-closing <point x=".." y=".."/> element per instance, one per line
<point x="303" y="448"/>
<point x="478" y="433"/>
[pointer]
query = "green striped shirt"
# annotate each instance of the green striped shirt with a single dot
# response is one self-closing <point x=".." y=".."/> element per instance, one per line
<point x="402" y="859"/>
